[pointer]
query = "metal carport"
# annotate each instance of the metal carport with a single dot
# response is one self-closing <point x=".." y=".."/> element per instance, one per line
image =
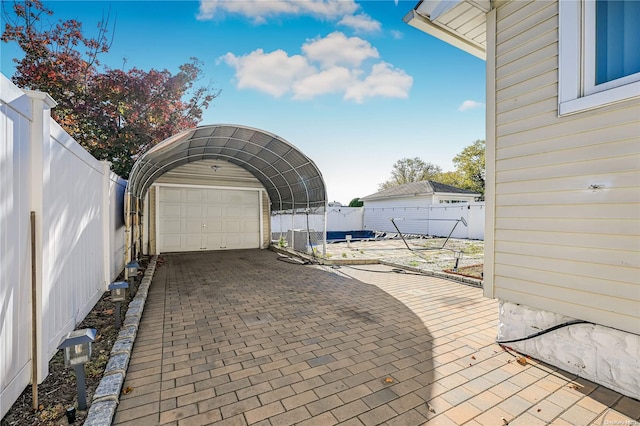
<point x="290" y="178"/>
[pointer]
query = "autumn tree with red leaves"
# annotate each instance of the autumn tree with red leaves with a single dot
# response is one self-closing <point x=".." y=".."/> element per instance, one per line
<point x="116" y="115"/>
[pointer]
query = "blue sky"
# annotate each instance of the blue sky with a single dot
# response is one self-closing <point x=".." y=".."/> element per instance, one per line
<point x="348" y="83"/>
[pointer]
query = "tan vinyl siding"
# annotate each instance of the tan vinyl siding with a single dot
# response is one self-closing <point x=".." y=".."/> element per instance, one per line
<point x="201" y="173"/>
<point x="560" y="245"/>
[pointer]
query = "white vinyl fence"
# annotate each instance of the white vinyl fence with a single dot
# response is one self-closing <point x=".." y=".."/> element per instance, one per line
<point x="79" y="235"/>
<point x="338" y="219"/>
<point x="436" y="220"/>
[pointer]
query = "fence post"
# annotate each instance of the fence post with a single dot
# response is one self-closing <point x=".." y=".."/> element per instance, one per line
<point x="39" y="165"/>
<point x="106" y="222"/>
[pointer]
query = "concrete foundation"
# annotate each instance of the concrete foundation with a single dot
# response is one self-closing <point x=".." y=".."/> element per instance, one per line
<point x="601" y="354"/>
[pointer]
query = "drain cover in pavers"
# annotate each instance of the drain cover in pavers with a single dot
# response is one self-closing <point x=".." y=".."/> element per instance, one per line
<point x="256" y="319"/>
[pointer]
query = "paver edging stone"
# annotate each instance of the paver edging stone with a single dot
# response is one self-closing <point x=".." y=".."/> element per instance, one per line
<point x="101" y="413"/>
<point x="106" y="398"/>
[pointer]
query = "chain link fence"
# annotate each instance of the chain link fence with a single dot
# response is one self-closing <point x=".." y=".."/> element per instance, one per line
<point x="301" y="230"/>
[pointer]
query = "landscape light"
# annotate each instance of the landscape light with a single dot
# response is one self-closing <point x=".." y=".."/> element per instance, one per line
<point x="457" y="255"/>
<point x="118" y="295"/>
<point x="77" y="352"/>
<point x="132" y="273"/>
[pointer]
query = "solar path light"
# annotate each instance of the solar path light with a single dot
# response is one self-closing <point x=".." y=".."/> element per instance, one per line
<point x="457" y="255"/>
<point x="118" y="295"/>
<point x="132" y="273"/>
<point x="77" y="352"/>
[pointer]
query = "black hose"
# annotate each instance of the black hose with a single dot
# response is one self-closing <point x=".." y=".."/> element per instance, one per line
<point x="540" y="333"/>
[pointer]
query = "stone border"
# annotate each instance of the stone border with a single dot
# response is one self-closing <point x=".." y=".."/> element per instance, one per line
<point x="106" y="397"/>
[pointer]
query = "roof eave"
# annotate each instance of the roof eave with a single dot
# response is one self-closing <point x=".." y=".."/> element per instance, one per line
<point x="423" y="24"/>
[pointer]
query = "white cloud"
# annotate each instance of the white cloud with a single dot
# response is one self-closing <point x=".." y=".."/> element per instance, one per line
<point x="259" y="10"/>
<point x="273" y="73"/>
<point x="397" y="35"/>
<point x="384" y="80"/>
<point x="337" y="49"/>
<point x="332" y="80"/>
<point x="334" y="64"/>
<point x="361" y="23"/>
<point x="469" y="104"/>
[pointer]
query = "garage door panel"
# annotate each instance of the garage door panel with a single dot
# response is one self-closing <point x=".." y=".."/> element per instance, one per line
<point x="193" y="195"/>
<point x="193" y="211"/>
<point x="212" y="196"/>
<point x="250" y="240"/>
<point x="232" y="225"/>
<point x="170" y="210"/>
<point x="192" y="219"/>
<point x="192" y="242"/>
<point x="250" y="212"/>
<point x="212" y="241"/>
<point x="251" y="226"/>
<point x="171" y="194"/>
<point x="171" y="226"/>
<point x="213" y="212"/>
<point x="192" y="226"/>
<point x="233" y="240"/>
<point x="232" y="211"/>
<point x="212" y="226"/>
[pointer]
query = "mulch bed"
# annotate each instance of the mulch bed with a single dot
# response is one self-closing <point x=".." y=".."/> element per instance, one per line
<point x="473" y="271"/>
<point x="59" y="391"/>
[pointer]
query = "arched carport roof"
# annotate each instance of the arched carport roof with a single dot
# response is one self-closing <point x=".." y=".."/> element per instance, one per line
<point x="292" y="179"/>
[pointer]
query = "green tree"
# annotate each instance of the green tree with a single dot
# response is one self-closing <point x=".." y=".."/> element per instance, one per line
<point x="356" y="202"/>
<point x="116" y="115"/>
<point x="470" y="167"/>
<point x="411" y="170"/>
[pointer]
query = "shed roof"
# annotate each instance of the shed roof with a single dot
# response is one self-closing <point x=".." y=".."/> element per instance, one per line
<point x="423" y="187"/>
<point x="291" y="179"/>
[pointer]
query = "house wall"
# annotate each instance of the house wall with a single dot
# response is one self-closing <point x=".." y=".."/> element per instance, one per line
<point x="560" y="245"/>
<point x="556" y="244"/>
<point x="77" y="203"/>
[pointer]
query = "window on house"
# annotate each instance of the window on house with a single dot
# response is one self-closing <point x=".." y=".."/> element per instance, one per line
<point x="599" y="53"/>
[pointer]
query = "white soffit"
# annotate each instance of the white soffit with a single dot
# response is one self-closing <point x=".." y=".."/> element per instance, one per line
<point x="461" y="23"/>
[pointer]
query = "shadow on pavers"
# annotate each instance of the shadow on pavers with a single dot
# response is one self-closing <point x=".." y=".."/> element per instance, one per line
<point x="246" y="336"/>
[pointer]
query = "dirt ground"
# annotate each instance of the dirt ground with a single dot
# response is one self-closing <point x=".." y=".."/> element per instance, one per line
<point x="59" y="391"/>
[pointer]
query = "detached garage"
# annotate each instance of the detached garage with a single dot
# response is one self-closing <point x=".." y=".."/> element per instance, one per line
<point x="214" y="188"/>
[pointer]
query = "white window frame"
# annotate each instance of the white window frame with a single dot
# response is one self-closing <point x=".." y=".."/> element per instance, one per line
<point x="577" y="63"/>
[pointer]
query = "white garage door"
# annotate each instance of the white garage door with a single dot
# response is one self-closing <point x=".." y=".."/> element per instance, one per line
<point x="192" y="219"/>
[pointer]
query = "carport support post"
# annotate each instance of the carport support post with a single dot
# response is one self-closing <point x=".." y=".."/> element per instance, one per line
<point x="324" y="239"/>
<point x="127" y="231"/>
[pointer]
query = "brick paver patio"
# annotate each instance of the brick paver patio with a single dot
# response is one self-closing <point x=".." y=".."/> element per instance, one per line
<point x="238" y="337"/>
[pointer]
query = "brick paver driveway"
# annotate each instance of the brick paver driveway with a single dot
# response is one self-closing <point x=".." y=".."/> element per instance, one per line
<point x="241" y="338"/>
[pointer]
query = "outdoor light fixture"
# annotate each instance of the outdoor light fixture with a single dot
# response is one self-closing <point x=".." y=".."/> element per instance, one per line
<point x="132" y="273"/>
<point x="77" y="352"/>
<point x="348" y="238"/>
<point x="457" y="255"/>
<point x="215" y="168"/>
<point x="118" y="295"/>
